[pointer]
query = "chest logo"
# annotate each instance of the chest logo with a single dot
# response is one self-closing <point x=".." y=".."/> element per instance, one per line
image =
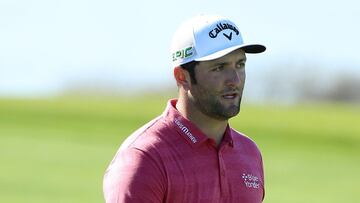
<point x="250" y="181"/>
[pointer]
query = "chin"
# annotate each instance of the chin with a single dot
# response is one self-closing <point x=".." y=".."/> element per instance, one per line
<point x="231" y="103"/>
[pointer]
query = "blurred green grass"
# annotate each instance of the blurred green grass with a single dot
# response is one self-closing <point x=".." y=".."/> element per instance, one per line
<point x="56" y="150"/>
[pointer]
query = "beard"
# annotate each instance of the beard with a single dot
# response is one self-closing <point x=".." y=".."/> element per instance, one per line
<point x="209" y="102"/>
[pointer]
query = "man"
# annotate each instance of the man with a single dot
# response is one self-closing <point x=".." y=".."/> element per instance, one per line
<point x="190" y="154"/>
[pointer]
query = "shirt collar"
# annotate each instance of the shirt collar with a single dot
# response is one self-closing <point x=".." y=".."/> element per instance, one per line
<point x="229" y="136"/>
<point x="193" y="135"/>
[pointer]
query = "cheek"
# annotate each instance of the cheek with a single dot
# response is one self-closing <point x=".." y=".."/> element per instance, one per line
<point x="242" y="75"/>
<point x="212" y="85"/>
<point x="205" y="88"/>
<point x="211" y="80"/>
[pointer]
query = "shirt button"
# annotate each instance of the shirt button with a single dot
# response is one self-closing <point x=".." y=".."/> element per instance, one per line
<point x="222" y="173"/>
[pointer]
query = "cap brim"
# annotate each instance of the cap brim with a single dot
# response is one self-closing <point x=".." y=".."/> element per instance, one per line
<point x="254" y="48"/>
<point x="248" y="48"/>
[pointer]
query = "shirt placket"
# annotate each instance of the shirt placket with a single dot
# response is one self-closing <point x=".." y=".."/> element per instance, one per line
<point x="223" y="173"/>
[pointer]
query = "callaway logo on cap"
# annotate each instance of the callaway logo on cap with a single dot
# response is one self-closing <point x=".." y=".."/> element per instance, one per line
<point x="208" y="37"/>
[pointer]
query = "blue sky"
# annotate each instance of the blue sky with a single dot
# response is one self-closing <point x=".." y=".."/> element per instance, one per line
<point x="46" y="45"/>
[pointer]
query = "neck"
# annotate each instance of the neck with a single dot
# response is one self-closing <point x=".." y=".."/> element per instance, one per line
<point x="211" y="127"/>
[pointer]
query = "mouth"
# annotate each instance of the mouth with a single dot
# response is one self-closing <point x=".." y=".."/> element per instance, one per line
<point x="230" y="96"/>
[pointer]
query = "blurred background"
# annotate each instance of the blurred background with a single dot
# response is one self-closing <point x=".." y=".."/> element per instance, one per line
<point x="77" y="77"/>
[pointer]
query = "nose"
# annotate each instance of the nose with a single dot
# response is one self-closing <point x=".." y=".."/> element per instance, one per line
<point x="235" y="77"/>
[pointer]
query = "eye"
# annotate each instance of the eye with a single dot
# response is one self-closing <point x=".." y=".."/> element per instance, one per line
<point x="240" y="65"/>
<point x="217" y="68"/>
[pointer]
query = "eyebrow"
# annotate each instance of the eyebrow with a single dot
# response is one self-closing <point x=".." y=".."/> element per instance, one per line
<point x="219" y="64"/>
<point x="242" y="60"/>
<point x="224" y="63"/>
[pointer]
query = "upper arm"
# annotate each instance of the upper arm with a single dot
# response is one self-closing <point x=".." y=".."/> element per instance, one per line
<point x="134" y="176"/>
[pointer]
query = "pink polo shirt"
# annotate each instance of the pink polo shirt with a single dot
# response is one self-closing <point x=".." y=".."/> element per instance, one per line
<point x="170" y="160"/>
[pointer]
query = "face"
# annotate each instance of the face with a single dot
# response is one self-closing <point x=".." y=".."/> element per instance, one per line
<point x="219" y="86"/>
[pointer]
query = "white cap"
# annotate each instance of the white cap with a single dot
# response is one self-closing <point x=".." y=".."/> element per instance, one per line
<point x="208" y="37"/>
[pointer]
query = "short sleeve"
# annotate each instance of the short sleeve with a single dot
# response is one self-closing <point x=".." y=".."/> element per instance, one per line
<point x="134" y="176"/>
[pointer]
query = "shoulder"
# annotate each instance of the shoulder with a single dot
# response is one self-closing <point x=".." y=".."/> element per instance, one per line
<point x="138" y="153"/>
<point x="136" y="173"/>
<point x="149" y="138"/>
<point x="133" y="139"/>
<point x="245" y="142"/>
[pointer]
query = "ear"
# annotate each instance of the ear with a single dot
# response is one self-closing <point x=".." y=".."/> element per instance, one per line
<point x="182" y="77"/>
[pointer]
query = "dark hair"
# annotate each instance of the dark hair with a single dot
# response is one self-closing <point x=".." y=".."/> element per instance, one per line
<point x="190" y="68"/>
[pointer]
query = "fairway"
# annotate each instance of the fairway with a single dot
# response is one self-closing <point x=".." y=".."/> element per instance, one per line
<point x="56" y="150"/>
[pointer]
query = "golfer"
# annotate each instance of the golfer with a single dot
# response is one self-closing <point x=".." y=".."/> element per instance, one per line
<point x="190" y="154"/>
